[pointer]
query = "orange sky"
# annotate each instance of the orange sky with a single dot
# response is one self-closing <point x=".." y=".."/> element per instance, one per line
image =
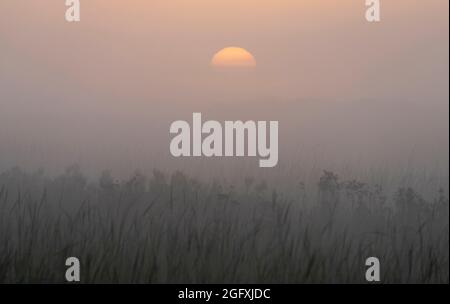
<point x="133" y="66"/>
<point x="301" y="46"/>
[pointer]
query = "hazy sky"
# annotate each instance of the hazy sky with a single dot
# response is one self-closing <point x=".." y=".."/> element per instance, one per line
<point x="104" y="91"/>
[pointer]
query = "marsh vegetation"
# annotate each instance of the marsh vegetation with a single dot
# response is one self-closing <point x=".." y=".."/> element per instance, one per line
<point x="170" y="228"/>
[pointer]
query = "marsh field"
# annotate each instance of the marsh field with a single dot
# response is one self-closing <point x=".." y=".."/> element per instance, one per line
<point x="171" y="228"/>
<point x="362" y="117"/>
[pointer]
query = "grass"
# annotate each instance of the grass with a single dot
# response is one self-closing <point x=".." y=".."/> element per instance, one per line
<point x="174" y="229"/>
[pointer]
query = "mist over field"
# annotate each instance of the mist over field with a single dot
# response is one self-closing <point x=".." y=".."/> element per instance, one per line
<point x="103" y="93"/>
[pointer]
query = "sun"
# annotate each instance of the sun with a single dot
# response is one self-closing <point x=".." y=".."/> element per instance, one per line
<point x="233" y="57"/>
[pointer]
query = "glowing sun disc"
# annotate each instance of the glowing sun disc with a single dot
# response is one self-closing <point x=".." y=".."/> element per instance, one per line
<point x="233" y="57"/>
